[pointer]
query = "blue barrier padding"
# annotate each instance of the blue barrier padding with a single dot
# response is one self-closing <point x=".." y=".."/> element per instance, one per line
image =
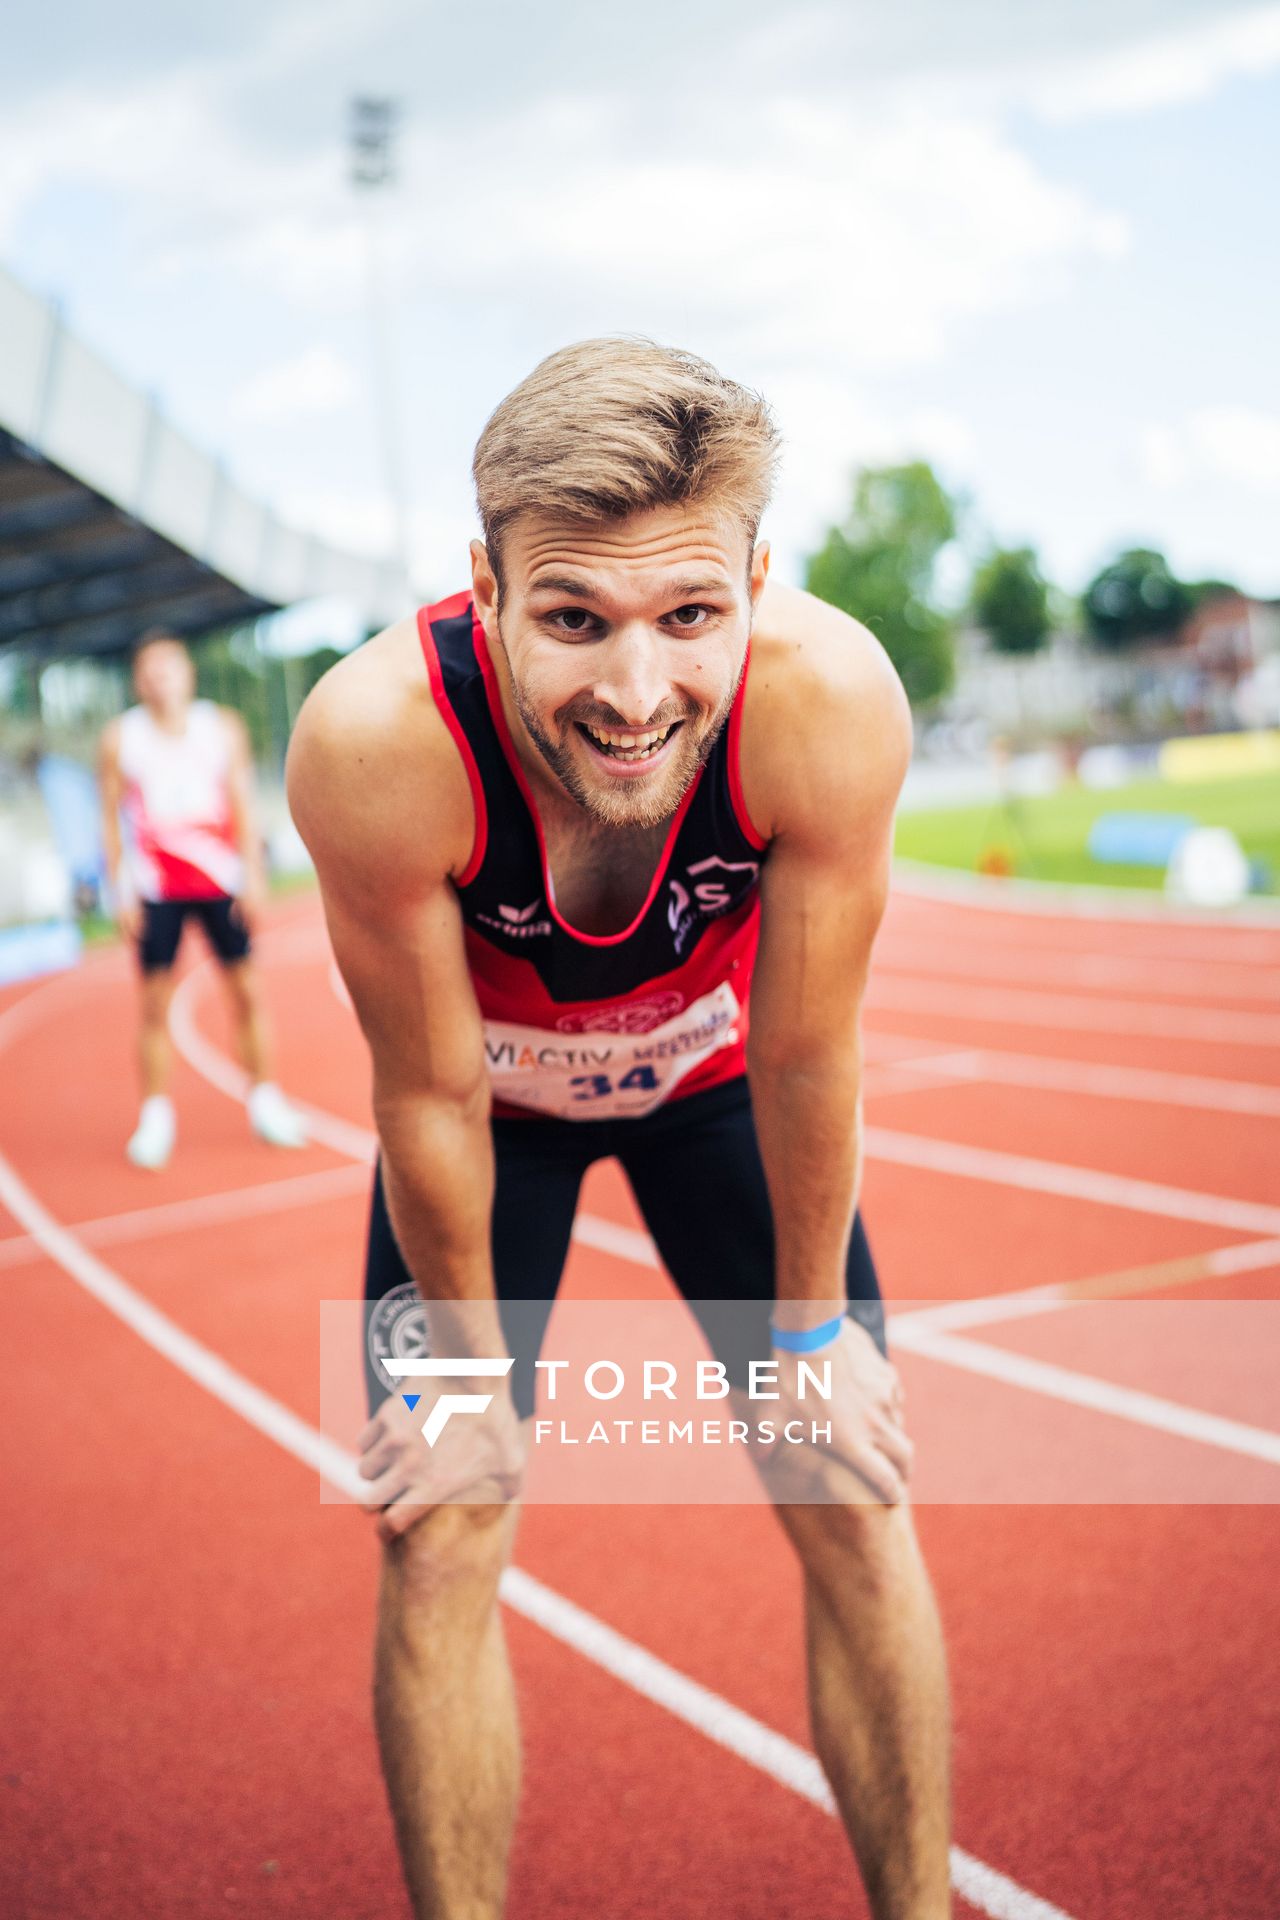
<point x="75" y="813"/>
<point x="26" y="952"/>
<point x="1138" y="839"/>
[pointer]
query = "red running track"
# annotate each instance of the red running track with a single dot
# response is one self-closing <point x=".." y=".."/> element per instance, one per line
<point x="186" y="1726"/>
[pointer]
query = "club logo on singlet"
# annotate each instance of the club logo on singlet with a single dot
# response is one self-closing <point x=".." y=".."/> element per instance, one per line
<point x="517" y="923"/>
<point x="703" y="896"/>
<point x="640" y="1015"/>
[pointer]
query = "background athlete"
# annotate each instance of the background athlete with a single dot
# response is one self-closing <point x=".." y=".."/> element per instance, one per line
<point x="181" y="842"/>
<point x="620" y="787"/>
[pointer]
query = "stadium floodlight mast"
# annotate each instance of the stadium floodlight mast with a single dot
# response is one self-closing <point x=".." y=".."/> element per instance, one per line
<point x="374" y="120"/>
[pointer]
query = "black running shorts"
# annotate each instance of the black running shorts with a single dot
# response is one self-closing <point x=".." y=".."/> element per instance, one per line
<point x="695" y="1169"/>
<point x="163" y="921"/>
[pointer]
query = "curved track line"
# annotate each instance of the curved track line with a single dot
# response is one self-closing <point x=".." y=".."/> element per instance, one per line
<point x="955" y="887"/>
<point x="1086" y="1390"/>
<point x="1072" y="1183"/>
<point x="359" y="1143"/>
<point x="1169" y="980"/>
<point x="202" y="1210"/>
<point x="902" y="992"/>
<point x="772" y="1753"/>
<point x="1044" y="1072"/>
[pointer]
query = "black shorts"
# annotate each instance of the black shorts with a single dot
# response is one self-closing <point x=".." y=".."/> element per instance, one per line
<point x="696" y="1172"/>
<point x="163" y="921"/>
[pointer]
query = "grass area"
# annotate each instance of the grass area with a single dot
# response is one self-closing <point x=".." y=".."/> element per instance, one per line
<point x="1044" y="837"/>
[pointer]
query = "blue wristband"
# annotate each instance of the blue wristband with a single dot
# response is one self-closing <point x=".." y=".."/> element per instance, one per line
<point x="812" y="1340"/>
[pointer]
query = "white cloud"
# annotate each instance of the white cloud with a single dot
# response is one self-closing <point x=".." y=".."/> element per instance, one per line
<point x="864" y="238"/>
<point x="815" y="201"/>
<point x="1239" y="443"/>
<point x="1231" y="443"/>
<point x="315" y="382"/>
<point x="1163" y="70"/>
<point x="1162" y="457"/>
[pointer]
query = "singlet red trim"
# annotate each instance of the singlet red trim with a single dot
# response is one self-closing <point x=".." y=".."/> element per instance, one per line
<point x="513" y="761"/>
<point x="445" y="610"/>
<point x="745" y="823"/>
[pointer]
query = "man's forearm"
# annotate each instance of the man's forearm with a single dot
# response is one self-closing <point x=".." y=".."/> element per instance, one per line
<point x="438" y="1175"/>
<point x="809" y="1126"/>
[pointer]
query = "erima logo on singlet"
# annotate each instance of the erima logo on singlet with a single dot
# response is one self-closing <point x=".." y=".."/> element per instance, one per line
<point x="706" y="897"/>
<point x="517" y="922"/>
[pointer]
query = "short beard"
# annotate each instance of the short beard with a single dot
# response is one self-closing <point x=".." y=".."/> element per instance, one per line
<point x="628" y="805"/>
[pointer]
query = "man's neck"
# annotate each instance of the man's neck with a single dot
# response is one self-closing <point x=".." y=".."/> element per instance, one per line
<point x="169" y="719"/>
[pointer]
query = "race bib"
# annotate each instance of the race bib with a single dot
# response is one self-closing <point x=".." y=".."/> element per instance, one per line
<point x="602" y="1074"/>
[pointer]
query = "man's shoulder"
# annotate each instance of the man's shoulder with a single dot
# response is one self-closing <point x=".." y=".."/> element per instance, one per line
<point x="372" y="770"/>
<point x="826" y="719"/>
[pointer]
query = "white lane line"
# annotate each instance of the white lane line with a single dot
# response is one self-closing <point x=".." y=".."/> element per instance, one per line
<point x="771" y="1753"/>
<point x="1094" y="1077"/>
<point x="355" y="1142"/>
<point x="889" y="1078"/>
<point x="203" y="1210"/>
<point x="1086" y="1390"/>
<point x="697" y="1706"/>
<point x="952" y="886"/>
<point x="1170" y="979"/>
<point x="1020" y="1006"/>
<point x="625" y="1243"/>
<point x="1073" y="1183"/>
<point x="987" y="1309"/>
<point x="190" y="1355"/>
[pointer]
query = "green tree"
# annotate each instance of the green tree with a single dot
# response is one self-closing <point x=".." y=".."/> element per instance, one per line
<point x="1135" y="598"/>
<point x="1009" y="600"/>
<point x="879" y="566"/>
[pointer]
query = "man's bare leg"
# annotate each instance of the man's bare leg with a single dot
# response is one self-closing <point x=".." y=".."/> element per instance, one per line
<point x="445" y="1710"/>
<point x="154" y="1049"/>
<point x="878" y="1699"/>
<point x="253" y="1039"/>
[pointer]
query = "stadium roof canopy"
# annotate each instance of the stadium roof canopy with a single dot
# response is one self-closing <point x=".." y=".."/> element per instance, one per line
<point x="112" y="522"/>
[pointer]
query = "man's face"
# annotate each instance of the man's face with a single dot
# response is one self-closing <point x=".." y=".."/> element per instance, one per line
<point x="164" y="676"/>
<point x="625" y="642"/>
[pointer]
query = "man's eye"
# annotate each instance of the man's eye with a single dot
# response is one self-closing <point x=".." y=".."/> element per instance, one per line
<point x="575" y="619"/>
<point x="691" y="616"/>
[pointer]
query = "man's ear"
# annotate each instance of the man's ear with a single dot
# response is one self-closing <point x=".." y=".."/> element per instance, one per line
<point x="484" y="589"/>
<point x="759" y="573"/>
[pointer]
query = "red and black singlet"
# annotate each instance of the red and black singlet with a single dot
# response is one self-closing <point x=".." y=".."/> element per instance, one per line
<point x="588" y="1026"/>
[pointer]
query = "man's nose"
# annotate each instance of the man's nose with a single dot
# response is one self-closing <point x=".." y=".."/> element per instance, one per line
<point x="632" y="679"/>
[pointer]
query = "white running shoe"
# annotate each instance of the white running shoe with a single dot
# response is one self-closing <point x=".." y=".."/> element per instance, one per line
<point x="157" y="1129"/>
<point x="272" y="1118"/>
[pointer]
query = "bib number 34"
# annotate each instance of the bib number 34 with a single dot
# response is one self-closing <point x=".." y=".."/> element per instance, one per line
<point x="598" y="1086"/>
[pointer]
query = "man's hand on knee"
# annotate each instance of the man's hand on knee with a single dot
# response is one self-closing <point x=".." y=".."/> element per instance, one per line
<point x="865" y="1414"/>
<point x="477" y="1457"/>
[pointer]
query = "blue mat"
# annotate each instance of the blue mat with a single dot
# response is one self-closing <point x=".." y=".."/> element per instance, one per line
<point x="49" y="947"/>
<point x="1138" y="839"/>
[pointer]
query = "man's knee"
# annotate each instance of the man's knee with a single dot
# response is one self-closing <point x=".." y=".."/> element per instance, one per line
<point x="449" y="1561"/>
<point x="241" y="985"/>
<point x="157" y="992"/>
<point x="843" y="1545"/>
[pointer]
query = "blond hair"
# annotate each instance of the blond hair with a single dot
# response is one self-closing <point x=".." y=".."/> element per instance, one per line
<point x="620" y="425"/>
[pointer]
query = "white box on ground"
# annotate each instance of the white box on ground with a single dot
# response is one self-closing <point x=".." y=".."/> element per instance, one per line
<point x="1208" y="868"/>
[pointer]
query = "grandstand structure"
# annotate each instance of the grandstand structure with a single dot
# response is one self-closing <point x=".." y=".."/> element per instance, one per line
<point x="112" y="521"/>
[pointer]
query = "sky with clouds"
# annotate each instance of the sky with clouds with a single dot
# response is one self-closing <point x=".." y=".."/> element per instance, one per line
<point x="1033" y="244"/>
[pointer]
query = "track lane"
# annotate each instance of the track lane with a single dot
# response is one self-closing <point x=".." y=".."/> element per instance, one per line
<point x="1120" y="1878"/>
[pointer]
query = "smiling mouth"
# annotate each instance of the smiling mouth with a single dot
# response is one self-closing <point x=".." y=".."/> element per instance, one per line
<point x="628" y="748"/>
